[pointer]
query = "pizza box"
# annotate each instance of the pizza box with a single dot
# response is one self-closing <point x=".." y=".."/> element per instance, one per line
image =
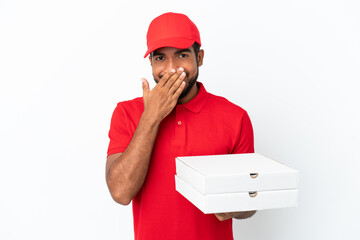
<point x="235" y="173"/>
<point x="236" y="182"/>
<point x="236" y="202"/>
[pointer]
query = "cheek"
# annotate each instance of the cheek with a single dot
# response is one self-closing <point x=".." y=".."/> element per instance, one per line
<point x="191" y="68"/>
<point x="191" y="72"/>
<point x="159" y="71"/>
<point x="156" y="73"/>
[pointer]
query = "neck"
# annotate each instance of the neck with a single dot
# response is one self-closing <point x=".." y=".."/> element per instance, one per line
<point x="192" y="93"/>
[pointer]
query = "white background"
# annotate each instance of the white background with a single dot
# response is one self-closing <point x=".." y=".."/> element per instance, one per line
<point x="293" y="65"/>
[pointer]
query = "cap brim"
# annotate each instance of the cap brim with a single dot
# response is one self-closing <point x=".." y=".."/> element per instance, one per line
<point x="181" y="43"/>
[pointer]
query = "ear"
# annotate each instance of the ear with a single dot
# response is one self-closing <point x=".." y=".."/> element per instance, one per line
<point x="200" y="57"/>
<point x="150" y="59"/>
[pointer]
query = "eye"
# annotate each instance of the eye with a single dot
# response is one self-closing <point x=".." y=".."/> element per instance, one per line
<point x="159" y="58"/>
<point x="183" y="55"/>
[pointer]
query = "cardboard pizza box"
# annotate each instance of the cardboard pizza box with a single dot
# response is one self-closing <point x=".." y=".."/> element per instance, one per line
<point x="235" y="173"/>
<point x="236" y="182"/>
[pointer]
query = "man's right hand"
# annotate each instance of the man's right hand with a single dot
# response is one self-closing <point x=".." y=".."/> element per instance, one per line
<point x="161" y="100"/>
<point x="126" y="172"/>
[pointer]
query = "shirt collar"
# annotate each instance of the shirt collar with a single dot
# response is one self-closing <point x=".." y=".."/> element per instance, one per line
<point x="196" y="104"/>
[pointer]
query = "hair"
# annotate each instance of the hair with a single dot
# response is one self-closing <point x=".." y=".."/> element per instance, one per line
<point x="195" y="46"/>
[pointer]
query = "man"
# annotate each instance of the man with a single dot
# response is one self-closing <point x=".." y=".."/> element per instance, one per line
<point x="178" y="117"/>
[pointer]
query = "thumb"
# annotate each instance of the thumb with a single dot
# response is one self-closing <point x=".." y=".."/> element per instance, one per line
<point x="145" y="86"/>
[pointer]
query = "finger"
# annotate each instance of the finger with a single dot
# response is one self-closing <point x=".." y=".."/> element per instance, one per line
<point x="145" y="86"/>
<point x="177" y="83"/>
<point x="173" y="78"/>
<point x="220" y="216"/>
<point x="166" y="77"/>
<point x="179" y="91"/>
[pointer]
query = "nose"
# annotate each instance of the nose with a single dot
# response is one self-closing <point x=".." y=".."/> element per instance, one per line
<point x="171" y="64"/>
<point x="167" y="65"/>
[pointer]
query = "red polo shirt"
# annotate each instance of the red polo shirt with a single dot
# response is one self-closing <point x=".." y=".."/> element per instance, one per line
<point x="206" y="125"/>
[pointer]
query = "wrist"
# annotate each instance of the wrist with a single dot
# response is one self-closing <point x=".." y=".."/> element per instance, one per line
<point x="150" y="119"/>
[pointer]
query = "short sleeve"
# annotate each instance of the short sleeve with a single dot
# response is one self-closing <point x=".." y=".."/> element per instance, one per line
<point x="119" y="134"/>
<point x="245" y="139"/>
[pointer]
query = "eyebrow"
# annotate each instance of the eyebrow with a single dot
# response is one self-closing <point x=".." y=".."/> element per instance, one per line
<point x="183" y="50"/>
<point x="156" y="53"/>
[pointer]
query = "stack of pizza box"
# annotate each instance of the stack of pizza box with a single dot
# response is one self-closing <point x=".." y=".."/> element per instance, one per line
<point x="236" y="182"/>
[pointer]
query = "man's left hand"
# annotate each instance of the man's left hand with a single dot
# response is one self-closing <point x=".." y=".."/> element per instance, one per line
<point x="237" y="215"/>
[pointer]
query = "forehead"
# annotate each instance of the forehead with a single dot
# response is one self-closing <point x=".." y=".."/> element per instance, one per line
<point x="172" y="50"/>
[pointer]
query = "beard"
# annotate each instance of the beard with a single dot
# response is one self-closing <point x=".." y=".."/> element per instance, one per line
<point x="190" y="83"/>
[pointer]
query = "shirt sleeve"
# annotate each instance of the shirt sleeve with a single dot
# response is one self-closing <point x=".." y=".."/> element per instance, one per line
<point x="119" y="134"/>
<point x="245" y="141"/>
